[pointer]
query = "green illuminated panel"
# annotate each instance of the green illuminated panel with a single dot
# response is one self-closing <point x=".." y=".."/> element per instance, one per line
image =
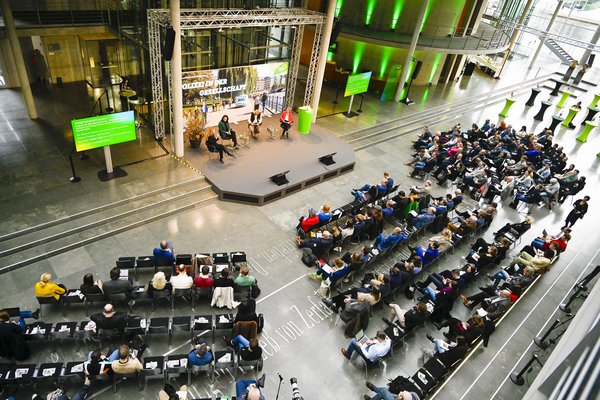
<point x="329" y="55"/>
<point x="369" y="11"/>
<point x="386" y="55"/>
<point x="398" y="6"/>
<point x="435" y="66"/>
<point x="338" y="7"/>
<point x="359" y="49"/>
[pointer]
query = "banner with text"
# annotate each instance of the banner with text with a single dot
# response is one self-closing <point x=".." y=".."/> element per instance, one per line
<point x="235" y="92"/>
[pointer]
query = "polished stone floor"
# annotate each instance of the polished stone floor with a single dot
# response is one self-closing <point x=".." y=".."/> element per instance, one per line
<point x="300" y="339"/>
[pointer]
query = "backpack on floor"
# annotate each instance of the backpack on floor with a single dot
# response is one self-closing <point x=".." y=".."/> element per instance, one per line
<point x="397" y="384"/>
<point x="309" y="259"/>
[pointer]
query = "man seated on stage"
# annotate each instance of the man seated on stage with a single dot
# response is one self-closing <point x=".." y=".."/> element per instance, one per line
<point x="254" y="122"/>
<point x="226" y="132"/>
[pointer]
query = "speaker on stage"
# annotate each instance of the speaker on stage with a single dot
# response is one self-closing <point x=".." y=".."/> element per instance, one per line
<point x="591" y="59"/>
<point x="280" y="179"/>
<point x="169" y="43"/>
<point x="415" y="73"/>
<point x="328" y="159"/>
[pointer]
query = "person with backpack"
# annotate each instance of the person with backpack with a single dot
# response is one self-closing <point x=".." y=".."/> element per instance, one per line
<point x="383" y="393"/>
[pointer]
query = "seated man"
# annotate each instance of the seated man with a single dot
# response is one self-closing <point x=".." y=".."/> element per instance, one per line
<point x="372" y="350"/>
<point x="383" y="243"/>
<point x="352" y="306"/>
<point x="447" y="353"/>
<point x="250" y="389"/>
<point x="366" y="192"/>
<point x="423" y="219"/>
<point x="495" y="306"/>
<point x="463" y="226"/>
<point x="116" y="285"/>
<point x="382" y="392"/>
<point x="12" y="339"/>
<point x="540" y="261"/>
<point x="512" y="280"/>
<point x="163" y="255"/>
<point x="204" y="280"/>
<point x="200" y="355"/>
<point x="429" y="254"/>
<point x="127" y="362"/>
<point x="109" y="319"/>
<point x="181" y="280"/>
<point x="318" y="246"/>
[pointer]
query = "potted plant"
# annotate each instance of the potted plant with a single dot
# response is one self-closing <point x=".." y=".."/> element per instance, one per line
<point x="195" y="130"/>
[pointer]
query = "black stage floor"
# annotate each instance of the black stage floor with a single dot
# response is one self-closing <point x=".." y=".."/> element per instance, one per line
<point x="245" y="179"/>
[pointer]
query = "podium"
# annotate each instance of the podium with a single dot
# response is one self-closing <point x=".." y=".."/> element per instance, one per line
<point x="568" y="122"/>
<point x="540" y="115"/>
<point x="509" y="102"/>
<point x="534" y="93"/>
<point x="589" y="125"/>
<point x="592" y="111"/>
<point x="556" y="119"/>
<point x="563" y="99"/>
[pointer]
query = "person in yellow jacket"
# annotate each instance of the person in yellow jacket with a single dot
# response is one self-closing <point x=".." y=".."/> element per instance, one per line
<point x="46" y="288"/>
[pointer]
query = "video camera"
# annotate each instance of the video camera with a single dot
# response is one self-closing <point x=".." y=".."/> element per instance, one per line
<point x="295" y="390"/>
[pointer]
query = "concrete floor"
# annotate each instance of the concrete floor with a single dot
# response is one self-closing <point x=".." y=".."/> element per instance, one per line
<point x="300" y="339"/>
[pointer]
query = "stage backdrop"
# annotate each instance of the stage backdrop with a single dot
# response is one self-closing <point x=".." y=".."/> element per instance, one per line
<point x="210" y="94"/>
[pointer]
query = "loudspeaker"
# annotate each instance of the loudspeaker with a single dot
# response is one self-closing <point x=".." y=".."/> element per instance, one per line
<point x="280" y="179"/>
<point x="169" y="43"/>
<point x="328" y="159"/>
<point x="591" y="59"/>
<point x="335" y="31"/>
<point x="415" y="73"/>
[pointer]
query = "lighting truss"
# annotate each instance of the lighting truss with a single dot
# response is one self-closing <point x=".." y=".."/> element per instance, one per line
<point x="199" y="19"/>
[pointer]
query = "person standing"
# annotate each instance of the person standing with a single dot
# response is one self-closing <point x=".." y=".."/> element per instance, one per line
<point x="263" y="100"/>
<point x="580" y="208"/>
<point x="286" y="120"/>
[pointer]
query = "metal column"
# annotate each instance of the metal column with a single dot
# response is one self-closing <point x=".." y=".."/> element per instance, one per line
<point x="411" y="50"/>
<point x="15" y="46"/>
<point x="293" y="66"/>
<point x="588" y="51"/>
<point x="543" y="38"/>
<point x="176" y="93"/>
<point x="322" y="60"/>
<point x="156" y="63"/>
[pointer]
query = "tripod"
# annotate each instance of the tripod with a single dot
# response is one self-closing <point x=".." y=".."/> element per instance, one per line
<point x="279" y="387"/>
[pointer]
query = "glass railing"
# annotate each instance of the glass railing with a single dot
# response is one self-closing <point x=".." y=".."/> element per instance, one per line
<point x="486" y="37"/>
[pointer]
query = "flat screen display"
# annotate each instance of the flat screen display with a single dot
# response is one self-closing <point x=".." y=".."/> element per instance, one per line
<point x="358" y="83"/>
<point x="103" y="130"/>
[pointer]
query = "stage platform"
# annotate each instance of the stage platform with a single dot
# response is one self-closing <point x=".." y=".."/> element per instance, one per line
<point x="245" y="179"/>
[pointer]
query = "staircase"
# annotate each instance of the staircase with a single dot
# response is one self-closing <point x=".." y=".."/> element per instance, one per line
<point x="559" y="51"/>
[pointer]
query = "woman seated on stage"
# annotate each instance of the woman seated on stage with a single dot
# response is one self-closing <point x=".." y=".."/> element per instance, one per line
<point x="286" y="120"/>
<point x="213" y="144"/>
<point x="226" y="132"/>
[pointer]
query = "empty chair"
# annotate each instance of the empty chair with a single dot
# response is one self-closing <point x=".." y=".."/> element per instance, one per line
<point x="185" y="259"/>
<point x="38" y="331"/>
<point x="181" y="324"/>
<point x="48" y="374"/>
<point x="223" y="359"/>
<point x="61" y="331"/>
<point x="175" y="365"/>
<point x="119" y="377"/>
<point x="135" y="326"/>
<point x="157" y="326"/>
<point x="237" y="259"/>
<point x="71" y="297"/>
<point x="203" y="292"/>
<point x="158" y="295"/>
<point x="73" y="371"/>
<point x="223" y="322"/>
<point x="125" y="262"/>
<point x="202" y="323"/>
<point x="48" y="300"/>
<point x="153" y="369"/>
<point x="181" y="294"/>
<point x="255" y="365"/>
<point x="220" y="262"/>
<point x="144" y="262"/>
<point x="241" y="293"/>
<point x="110" y="334"/>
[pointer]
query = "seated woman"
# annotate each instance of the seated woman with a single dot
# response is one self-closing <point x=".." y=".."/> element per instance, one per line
<point x="223" y="280"/>
<point x="444" y="240"/>
<point x="89" y="286"/>
<point x="324" y="213"/>
<point x="46" y="288"/>
<point x="338" y="270"/>
<point x="407" y="319"/>
<point x="447" y="353"/>
<point x="470" y="329"/>
<point x="226" y="132"/>
<point x="306" y="223"/>
<point x="543" y="242"/>
<point x="348" y="229"/>
<point x="482" y="258"/>
<point x="540" y="261"/>
<point x="337" y="302"/>
<point x="447" y="287"/>
<point x="213" y="144"/>
<point x="204" y="280"/>
<point x="249" y="350"/>
<point x="244" y="279"/>
<point x="158" y="284"/>
<point x="523" y="280"/>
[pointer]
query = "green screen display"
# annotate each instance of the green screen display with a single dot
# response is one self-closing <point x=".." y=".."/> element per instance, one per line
<point x="103" y="130"/>
<point x="358" y="83"/>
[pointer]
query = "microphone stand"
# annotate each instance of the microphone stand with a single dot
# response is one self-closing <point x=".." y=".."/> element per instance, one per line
<point x="279" y="387"/>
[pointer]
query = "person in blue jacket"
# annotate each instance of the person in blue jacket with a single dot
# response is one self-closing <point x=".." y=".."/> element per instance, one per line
<point x="383" y="243"/>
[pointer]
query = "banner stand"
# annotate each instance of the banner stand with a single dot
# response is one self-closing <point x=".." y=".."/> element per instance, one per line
<point x="110" y="173"/>
<point x="350" y="113"/>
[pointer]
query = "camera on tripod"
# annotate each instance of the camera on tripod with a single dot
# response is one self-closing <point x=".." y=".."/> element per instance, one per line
<point x="295" y="390"/>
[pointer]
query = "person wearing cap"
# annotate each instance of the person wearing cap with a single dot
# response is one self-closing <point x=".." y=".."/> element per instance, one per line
<point x="383" y="243"/>
<point x="383" y="393"/>
<point x="200" y="355"/>
<point x="372" y="350"/>
<point x="319" y="246"/>
<point x="109" y="319"/>
<point x="46" y="288"/>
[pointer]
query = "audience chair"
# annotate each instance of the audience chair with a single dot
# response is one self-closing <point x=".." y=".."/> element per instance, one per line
<point x="47" y="374"/>
<point x="26" y="372"/>
<point x="223" y="359"/>
<point x="154" y="368"/>
<point x="374" y="364"/>
<point x="110" y="334"/>
<point x="238" y="259"/>
<point x="181" y="293"/>
<point x="73" y="371"/>
<point x="125" y="262"/>
<point x="123" y="377"/>
<point x="91" y="299"/>
<point x="144" y="262"/>
<point x="176" y="364"/>
<point x="181" y="324"/>
<point x="120" y="299"/>
<point x="185" y="259"/>
<point x="255" y="365"/>
<point x="61" y="331"/>
<point x="223" y="322"/>
<point x="158" y="295"/>
<point x="38" y="331"/>
<point x="202" y="323"/>
<point x="203" y="292"/>
<point x="48" y="300"/>
<point x="157" y="326"/>
<point x="71" y="297"/>
<point x="241" y="293"/>
<point x="135" y="326"/>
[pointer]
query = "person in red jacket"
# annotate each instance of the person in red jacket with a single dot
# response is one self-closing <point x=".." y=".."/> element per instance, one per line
<point x="286" y="119"/>
<point x="308" y="222"/>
